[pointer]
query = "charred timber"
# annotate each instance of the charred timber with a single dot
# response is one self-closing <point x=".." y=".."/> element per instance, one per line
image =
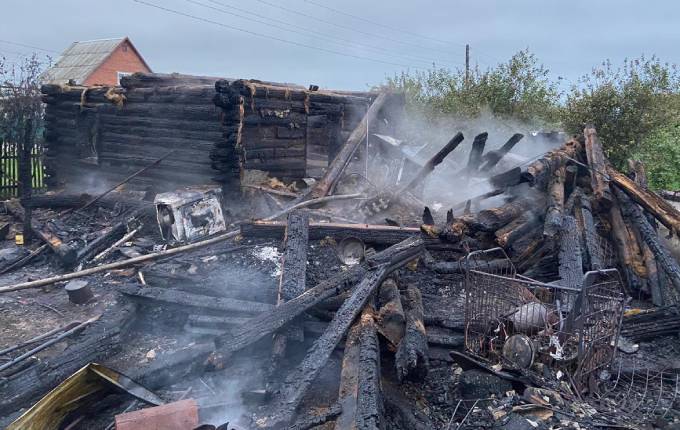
<point x="268" y="322"/>
<point x="571" y="263"/>
<point x="297" y="383"/>
<point x="555" y="212"/>
<point x="517" y="229"/>
<point x="376" y="234"/>
<point x="96" y="342"/>
<point x="349" y="379"/>
<point x="411" y="359"/>
<point x="390" y="318"/>
<point x="538" y="173"/>
<point x="649" y="235"/>
<point x="491" y="158"/>
<point x="434" y="161"/>
<point x="327" y="183"/>
<point x="370" y="408"/>
<point x="67" y="255"/>
<point x="493" y="219"/>
<point x="184" y="299"/>
<point x="663" y="211"/>
<point x="598" y="178"/>
<point x="291" y="283"/>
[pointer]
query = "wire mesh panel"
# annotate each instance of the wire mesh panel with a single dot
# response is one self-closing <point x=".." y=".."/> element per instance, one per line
<point x="520" y="322"/>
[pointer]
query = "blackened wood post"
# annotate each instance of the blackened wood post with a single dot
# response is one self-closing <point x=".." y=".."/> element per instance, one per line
<point x="370" y="408"/>
<point x="391" y="320"/>
<point x="327" y="183"/>
<point x="434" y="161"/>
<point x="554" y="214"/>
<point x="25" y="176"/>
<point x="570" y="261"/>
<point x="291" y="283"/>
<point x="411" y="358"/>
<point x="492" y="158"/>
<point x="663" y="258"/>
<point x="598" y="178"/>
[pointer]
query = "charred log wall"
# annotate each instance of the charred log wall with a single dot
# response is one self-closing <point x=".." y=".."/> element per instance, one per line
<point x="287" y="131"/>
<point x="99" y="135"/>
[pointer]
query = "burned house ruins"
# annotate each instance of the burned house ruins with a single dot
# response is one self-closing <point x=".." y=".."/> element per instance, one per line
<point x="247" y="258"/>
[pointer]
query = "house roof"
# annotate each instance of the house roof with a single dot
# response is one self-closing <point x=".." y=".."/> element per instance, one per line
<point x="81" y="59"/>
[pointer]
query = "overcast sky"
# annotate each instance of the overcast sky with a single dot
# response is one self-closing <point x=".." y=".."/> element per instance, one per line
<point x="333" y="50"/>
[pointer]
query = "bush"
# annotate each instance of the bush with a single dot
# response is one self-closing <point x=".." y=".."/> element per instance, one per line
<point x="519" y="89"/>
<point x="661" y="154"/>
<point x="625" y="105"/>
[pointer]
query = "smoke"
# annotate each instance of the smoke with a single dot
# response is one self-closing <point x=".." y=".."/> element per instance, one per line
<point x="420" y="137"/>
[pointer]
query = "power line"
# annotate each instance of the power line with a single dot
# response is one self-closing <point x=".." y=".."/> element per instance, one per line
<point x="400" y="30"/>
<point x="353" y="30"/>
<point x="303" y="32"/>
<point x="389" y="27"/>
<point x="266" y="36"/>
<point x="27" y="46"/>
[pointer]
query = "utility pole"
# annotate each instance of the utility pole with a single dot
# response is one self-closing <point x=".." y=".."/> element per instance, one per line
<point x="467" y="64"/>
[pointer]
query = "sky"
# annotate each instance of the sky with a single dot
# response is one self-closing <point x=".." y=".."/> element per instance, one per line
<point x="350" y="44"/>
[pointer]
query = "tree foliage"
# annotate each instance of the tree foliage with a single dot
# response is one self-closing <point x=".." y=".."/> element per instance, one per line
<point x="519" y="89"/>
<point x="660" y="152"/>
<point x="625" y="105"/>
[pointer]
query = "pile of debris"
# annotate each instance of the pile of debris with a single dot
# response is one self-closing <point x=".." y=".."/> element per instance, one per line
<point x="508" y="310"/>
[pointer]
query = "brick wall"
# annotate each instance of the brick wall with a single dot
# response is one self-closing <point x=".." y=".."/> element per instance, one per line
<point x="123" y="59"/>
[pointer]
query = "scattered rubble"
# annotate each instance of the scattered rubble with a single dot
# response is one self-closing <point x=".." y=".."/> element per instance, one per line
<point x="546" y="298"/>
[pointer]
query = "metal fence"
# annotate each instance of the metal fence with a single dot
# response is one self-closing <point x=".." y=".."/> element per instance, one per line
<point x="9" y="169"/>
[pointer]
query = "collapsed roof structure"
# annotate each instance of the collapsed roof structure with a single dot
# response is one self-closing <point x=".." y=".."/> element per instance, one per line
<point x="542" y="297"/>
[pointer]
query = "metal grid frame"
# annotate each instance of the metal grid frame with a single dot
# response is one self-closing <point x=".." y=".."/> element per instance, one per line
<point x="572" y="329"/>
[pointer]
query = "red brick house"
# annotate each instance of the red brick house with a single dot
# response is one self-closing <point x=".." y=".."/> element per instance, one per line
<point x="96" y="62"/>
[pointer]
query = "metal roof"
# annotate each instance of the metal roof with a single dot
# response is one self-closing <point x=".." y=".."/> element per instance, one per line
<point x="80" y="59"/>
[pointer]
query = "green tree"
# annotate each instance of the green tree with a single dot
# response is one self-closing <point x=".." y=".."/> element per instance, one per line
<point x="660" y="152"/>
<point x="519" y="89"/>
<point x="625" y="104"/>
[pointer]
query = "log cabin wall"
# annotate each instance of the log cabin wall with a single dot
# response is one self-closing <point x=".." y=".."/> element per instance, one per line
<point x="286" y="130"/>
<point x="218" y="128"/>
<point x="97" y="136"/>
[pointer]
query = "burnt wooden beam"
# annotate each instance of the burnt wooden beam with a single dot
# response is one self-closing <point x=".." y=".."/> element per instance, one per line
<point x="663" y="258"/>
<point x="370" y="408"/>
<point x="491" y="158"/>
<point x="555" y="211"/>
<point x="98" y="341"/>
<point x="298" y="381"/>
<point x="184" y="299"/>
<point x="369" y="233"/>
<point x="266" y="323"/>
<point x="475" y="157"/>
<point x="390" y="318"/>
<point x="492" y="219"/>
<point x="292" y="282"/>
<point x="434" y="162"/>
<point x="624" y="249"/>
<point x="517" y="229"/>
<point x="411" y="359"/>
<point x="570" y="260"/>
<point x="538" y="173"/>
<point x="593" y="248"/>
<point x="327" y="183"/>
<point x="349" y="379"/>
<point x="663" y="211"/>
<point x="598" y="173"/>
<point x="654" y="282"/>
<point x="673" y="196"/>
<point x="67" y="255"/>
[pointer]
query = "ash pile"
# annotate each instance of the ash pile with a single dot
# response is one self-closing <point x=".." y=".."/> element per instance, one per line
<point x="545" y="298"/>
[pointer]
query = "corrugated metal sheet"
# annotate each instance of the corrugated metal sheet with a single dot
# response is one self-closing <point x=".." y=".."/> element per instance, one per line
<point x="79" y="60"/>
